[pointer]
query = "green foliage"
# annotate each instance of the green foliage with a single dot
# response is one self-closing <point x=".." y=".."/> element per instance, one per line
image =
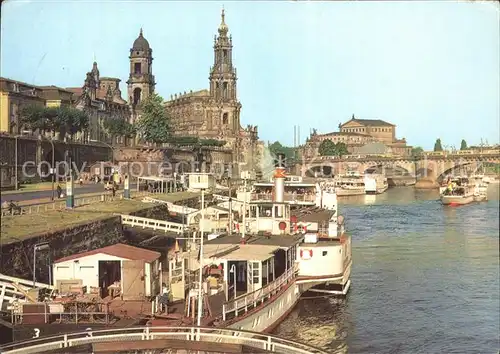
<point x="463" y="145"/>
<point x="193" y="140"/>
<point x="116" y="126"/>
<point x="329" y="148"/>
<point x="276" y="148"/>
<point x="64" y="120"/>
<point x="437" y="145"/>
<point x="154" y="124"/>
<point x="417" y="151"/>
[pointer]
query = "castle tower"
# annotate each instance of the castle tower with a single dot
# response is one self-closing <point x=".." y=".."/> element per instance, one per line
<point x="223" y="78"/>
<point x="141" y="81"/>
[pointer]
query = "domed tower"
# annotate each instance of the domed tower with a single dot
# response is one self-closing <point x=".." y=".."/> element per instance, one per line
<point x="141" y="82"/>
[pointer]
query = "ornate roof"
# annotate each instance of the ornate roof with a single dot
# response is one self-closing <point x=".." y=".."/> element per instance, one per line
<point x="140" y="43"/>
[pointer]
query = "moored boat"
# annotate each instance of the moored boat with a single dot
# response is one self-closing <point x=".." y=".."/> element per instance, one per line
<point x="375" y="184"/>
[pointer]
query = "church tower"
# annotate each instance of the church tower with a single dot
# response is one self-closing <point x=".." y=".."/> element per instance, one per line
<point x="223" y="79"/>
<point x="141" y="82"/>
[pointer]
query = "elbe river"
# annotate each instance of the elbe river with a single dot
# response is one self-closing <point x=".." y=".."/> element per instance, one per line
<point x="425" y="279"/>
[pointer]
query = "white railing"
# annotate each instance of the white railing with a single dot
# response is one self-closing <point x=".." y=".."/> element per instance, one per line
<point x="254" y="340"/>
<point x="288" y="197"/>
<point x="180" y="209"/>
<point x="243" y="302"/>
<point x="154" y="224"/>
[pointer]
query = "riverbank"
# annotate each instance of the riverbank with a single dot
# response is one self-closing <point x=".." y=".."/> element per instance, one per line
<point x="15" y="228"/>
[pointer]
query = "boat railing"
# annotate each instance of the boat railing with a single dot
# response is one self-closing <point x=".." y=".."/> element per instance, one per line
<point x="250" y="300"/>
<point x="288" y="197"/>
<point x="129" y="336"/>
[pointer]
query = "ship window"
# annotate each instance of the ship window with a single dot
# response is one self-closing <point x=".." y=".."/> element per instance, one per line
<point x="325" y="253"/>
<point x="255" y="273"/>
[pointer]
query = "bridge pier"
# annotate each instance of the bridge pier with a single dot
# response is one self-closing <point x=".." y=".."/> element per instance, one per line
<point x="426" y="183"/>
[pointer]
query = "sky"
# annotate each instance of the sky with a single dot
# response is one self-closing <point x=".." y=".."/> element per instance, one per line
<point x="431" y="68"/>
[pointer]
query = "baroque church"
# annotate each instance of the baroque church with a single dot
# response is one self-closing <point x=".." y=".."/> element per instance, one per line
<point x="215" y="112"/>
<point x="211" y="113"/>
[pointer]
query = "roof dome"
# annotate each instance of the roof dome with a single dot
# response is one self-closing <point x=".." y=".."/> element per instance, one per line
<point x="141" y="43"/>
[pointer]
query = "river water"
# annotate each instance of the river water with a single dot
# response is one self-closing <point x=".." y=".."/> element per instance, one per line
<point x="425" y="279"/>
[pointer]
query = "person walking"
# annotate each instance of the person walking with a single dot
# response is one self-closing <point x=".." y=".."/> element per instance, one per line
<point x="59" y="191"/>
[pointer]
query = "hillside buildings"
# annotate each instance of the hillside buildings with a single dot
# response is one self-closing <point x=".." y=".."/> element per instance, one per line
<point x="362" y="137"/>
<point x="212" y="113"/>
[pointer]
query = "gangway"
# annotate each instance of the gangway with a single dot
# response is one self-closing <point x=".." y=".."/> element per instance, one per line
<point x="154" y="224"/>
<point x="179" y="209"/>
<point x="12" y="289"/>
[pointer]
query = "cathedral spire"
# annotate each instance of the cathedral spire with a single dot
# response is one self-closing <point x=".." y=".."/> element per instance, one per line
<point x="223" y="29"/>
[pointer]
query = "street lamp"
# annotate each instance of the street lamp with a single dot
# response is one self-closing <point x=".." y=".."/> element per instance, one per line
<point x="16" y="185"/>
<point x="40" y="247"/>
<point x="233" y="271"/>
<point x="53" y="169"/>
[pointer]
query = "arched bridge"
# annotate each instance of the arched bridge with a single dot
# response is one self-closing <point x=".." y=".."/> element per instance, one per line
<point x="433" y="167"/>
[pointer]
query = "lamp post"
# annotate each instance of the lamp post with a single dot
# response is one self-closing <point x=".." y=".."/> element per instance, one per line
<point x="39" y="247"/>
<point x="53" y="170"/>
<point x="200" y="290"/>
<point x="233" y="271"/>
<point x="70" y="199"/>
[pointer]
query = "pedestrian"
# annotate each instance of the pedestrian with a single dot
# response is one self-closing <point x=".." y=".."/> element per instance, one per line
<point x="114" y="190"/>
<point x="59" y="191"/>
<point x="164" y="298"/>
<point x="81" y="181"/>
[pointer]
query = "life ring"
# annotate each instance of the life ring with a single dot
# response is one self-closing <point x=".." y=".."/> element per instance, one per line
<point x="306" y="254"/>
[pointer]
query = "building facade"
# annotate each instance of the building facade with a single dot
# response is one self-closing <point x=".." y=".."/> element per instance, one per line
<point x="101" y="99"/>
<point x="362" y="137"/>
<point x="215" y="112"/>
<point x="14" y="95"/>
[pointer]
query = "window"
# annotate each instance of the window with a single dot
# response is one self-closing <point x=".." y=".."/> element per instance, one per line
<point x="225" y="118"/>
<point x="137" y="68"/>
<point x="225" y="90"/>
<point x="224" y="55"/>
<point x="255" y="272"/>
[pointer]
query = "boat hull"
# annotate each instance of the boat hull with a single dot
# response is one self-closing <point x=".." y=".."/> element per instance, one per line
<point x="480" y="197"/>
<point x="341" y="192"/>
<point x="456" y="199"/>
<point x="270" y="314"/>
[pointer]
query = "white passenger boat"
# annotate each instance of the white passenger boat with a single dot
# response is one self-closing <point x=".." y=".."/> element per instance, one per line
<point x="375" y="184"/>
<point x="254" y="278"/>
<point x="351" y="183"/>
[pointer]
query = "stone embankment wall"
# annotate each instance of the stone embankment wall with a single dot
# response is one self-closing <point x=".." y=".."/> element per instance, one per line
<point x="17" y="258"/>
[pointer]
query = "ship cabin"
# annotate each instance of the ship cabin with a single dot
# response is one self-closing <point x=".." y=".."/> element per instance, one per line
<point x="299" y="193"/>
<point x="249" y="264"/>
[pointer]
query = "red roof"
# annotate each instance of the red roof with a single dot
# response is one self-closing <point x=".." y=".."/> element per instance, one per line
<point x="118" y="250"/>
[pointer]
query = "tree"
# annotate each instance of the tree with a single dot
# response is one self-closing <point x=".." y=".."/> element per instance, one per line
<point x="154" y="124"/>
<point x="63" y="120"/>
<point x="417" y="151"/>
<point x="116" y="126"/>
<point x="341" y="149"/>
<point x="437" y="145"/>
<point x="463" y="145"/>
<point x="327" y="148"/>
<point x="277" y="148"/>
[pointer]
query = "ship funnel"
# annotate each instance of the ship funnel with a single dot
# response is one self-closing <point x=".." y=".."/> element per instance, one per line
<point x="279" y="179"/>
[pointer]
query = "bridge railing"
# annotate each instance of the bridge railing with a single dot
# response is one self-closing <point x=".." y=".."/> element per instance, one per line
<point x="257" y="341"/>
<point x="153" y="224"/>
